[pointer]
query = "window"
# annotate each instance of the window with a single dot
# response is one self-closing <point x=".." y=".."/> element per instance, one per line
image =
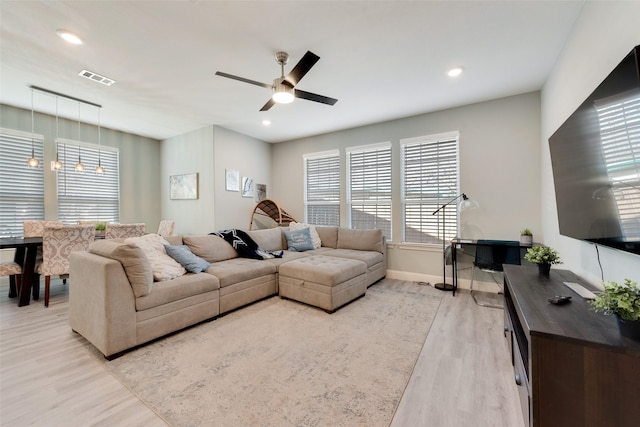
<point x="322" y="188"/>
<point x="369" y="187"/>
<point x="21" y="187"/>
<point x="85" y="195"/>
<point x="619" y="119"/>
<point x="429" y="179"/>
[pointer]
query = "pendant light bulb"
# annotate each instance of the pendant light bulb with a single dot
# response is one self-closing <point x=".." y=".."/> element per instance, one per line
<point x="32" y="162"/>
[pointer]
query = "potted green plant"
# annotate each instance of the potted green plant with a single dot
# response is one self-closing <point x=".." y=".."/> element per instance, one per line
<point x="544" y="257"/>
<point x="101" y="226"/>
<point x="526" y="237"/>
<point x="622" y="301"/>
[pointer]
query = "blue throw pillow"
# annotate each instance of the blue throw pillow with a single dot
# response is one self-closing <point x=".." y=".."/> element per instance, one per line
<point x="299" y="240"/>
<point x="186" y="258"/>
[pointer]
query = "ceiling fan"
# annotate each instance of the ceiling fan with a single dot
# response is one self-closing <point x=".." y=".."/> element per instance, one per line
<point x="283" y="87"/>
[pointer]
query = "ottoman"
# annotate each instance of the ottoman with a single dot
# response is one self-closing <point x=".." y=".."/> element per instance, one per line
<point x="323" y="281"/>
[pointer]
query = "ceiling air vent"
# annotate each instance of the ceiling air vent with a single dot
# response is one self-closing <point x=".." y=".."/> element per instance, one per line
<point x="96" y="77"/>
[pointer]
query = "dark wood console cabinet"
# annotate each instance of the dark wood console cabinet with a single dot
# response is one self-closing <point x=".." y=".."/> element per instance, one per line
<point x="571" y="365"/>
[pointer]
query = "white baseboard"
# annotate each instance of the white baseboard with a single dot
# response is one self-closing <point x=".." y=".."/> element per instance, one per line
<point x="481" y="286"/>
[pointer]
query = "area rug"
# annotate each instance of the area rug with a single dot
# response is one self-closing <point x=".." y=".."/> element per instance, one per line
<point x="281" y="363"/>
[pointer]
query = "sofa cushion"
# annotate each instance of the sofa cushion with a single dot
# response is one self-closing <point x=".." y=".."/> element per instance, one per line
<point x="191" y="262"/>
<point x="163" y="266"/>
<point x="299" y="240"/>
<point x="315" y="238"/>
<point x="133" y="259"/>
<point x="174" y="239"/>
<point x="210" y="247"/>
<point x="328" y="236"/>
<point x="268" y="239"/>
<point x="371" y="258"/>
<point x="177" y="289"/>
<point x="362" y="240"/>
<point x="237" y="270"/>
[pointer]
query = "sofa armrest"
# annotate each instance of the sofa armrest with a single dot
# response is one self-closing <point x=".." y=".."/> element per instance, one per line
<point x="101" y="302"/>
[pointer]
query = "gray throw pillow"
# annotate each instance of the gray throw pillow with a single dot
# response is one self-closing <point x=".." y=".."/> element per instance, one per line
<point x="299" y="240"/>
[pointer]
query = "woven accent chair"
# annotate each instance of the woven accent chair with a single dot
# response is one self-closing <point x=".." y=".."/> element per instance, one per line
<point x="166" y="227"/>
<point x="121" y="231"/>
<point x="57" y="245"/>
<point x="12" y="269"/>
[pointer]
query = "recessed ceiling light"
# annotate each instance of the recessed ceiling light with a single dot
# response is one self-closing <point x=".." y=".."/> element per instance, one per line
<point x="266" y="122"/>
<point x="455" y="72"/>
<point x="69" y="36"/>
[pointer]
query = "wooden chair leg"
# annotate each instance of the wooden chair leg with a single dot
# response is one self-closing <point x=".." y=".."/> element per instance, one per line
<point x="13" y="291"/>
<point x="35" y="287"/>
<point x="47" y="282"/>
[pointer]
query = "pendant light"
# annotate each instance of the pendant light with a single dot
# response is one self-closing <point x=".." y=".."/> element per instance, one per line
<point x="32" y="162"/>
<point x="99" y="168"/>
<point x="79" y="166"/>
<point x="57" y="164"/>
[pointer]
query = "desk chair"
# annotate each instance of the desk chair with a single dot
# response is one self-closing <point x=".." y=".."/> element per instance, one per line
<point x="490" y="256"/>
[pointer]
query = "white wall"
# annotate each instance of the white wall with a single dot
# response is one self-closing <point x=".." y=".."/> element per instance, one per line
<point x="603" y="35"/>
<point x="499" y="168"/>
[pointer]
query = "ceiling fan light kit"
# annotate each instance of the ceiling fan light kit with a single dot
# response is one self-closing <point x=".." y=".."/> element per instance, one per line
<point x="283" y="87"/>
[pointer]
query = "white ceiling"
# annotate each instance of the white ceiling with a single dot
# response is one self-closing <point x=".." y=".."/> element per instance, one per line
<point x="381" y="59"/>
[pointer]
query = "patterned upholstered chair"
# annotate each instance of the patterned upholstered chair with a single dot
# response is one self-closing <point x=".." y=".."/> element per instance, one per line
<point x="35" y="228"/>
<point x="12" y="269"/>
<point x="166" y="227"/>
<point x="57" y="244"/>
<point x="119" y="231"/>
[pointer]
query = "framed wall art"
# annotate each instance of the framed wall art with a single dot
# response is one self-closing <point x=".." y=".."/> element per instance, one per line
<point x="232" y="180"/>
<point x="247" y="187"/>
<point x="261" y="192"/>
<point x="183" y="187"/>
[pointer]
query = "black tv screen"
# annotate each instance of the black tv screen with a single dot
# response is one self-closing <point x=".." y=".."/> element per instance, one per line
<point x="595" y="156"/>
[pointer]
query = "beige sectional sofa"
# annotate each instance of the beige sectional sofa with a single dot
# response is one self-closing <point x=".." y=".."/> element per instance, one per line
<point x="116" y="305"/>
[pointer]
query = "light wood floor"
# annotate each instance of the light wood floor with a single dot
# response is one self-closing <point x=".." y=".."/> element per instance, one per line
<point x="50" y="376"/>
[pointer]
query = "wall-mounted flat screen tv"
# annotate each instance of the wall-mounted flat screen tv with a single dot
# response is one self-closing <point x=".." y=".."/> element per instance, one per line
<point x="595" y="156"/>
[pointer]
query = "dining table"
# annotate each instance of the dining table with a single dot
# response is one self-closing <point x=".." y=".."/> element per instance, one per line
<point x="26" y="249"/>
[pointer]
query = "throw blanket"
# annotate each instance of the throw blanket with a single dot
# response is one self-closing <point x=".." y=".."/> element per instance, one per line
<point x="245" y="245"/>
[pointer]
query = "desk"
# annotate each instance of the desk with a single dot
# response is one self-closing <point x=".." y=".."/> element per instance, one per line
<point x="26" y="250"/>
<point x="455" y="243"/>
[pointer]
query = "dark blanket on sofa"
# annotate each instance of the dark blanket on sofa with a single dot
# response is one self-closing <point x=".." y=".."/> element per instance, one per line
<point x="245" y="245"/>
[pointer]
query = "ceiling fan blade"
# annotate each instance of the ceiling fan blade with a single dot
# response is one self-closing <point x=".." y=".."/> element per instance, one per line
<point x="242" y="79"/>
<point x="314" y="97"/>
<point x="302" y="67"/>
<point x="270" y="103"/>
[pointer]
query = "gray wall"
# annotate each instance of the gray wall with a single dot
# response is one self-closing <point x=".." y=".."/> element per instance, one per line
<point x="139" y="160"/>
<point x="209" y="152"/>
<point x="604" y="33"/>
<point x="499" y="168"/>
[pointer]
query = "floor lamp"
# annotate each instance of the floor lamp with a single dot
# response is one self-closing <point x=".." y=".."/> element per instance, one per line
<point x="444" y="286"/>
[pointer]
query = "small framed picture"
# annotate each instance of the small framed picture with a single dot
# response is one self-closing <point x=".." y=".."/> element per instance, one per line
<point x="261" y="192"/>
<point x="247" y="187"/>
<point x="232" y="180"/>
<point x="183" y="187"/>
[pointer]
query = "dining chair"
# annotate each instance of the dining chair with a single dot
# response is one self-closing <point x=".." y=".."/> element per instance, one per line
<point x="57" y="244"/>
<point x="13" y="270"/>
<point x="120" y="231"/>
<point x="166" y="227"/>
<point x="35" y="228"/>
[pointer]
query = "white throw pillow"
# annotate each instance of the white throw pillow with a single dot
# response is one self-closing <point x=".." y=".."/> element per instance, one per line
<point x="164" y="267"/>
<point x="315" y="238"/>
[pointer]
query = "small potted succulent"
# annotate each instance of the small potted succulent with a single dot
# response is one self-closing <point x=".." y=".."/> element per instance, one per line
<point x="526" y="237"/>
<point x="543" y="256"/>
<point x="622" y="301"/>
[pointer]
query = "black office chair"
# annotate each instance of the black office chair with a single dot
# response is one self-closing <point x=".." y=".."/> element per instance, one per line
<point x="490" y="256"/>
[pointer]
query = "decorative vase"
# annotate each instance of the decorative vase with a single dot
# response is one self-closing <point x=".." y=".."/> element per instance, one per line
<point x="526" y="240"/>
<point x="629" y="328"/>
<point x="544" y="269"/>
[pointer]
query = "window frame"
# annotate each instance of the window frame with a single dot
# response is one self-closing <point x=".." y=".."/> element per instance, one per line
<point x="380" y="177"/>
<point x="30" y="192"/>
<point x="425" y="220"/>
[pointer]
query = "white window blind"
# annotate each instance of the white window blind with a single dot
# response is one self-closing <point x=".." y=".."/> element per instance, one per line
<point x="619" y="120"/>
<point x="369" y="188"/>
<point x="86" y="195"/>
<point x="322" y="188"/>
<point x="21" y="187"/>
<point x="429" y="180"/>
